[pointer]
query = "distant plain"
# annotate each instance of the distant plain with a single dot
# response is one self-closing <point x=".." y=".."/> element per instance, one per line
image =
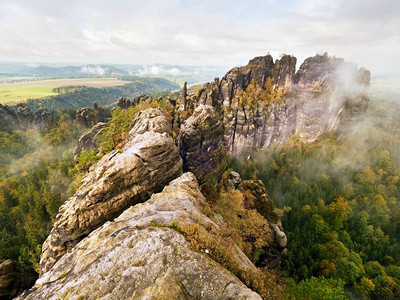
<point x="21" y="90"/>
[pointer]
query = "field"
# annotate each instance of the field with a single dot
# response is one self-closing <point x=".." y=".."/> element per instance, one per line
<point x="11" y="93"/>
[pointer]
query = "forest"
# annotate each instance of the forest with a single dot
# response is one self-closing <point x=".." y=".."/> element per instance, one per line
<point x="338" y="199"/>
<point x="339" y="202"/>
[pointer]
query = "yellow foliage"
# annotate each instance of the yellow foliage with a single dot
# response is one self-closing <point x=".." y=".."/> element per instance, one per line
<point x="250" y="230"/>
<point x="340" y="208"/>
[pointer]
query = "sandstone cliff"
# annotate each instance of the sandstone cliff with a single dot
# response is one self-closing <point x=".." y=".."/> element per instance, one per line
<point x="326" y="93"/>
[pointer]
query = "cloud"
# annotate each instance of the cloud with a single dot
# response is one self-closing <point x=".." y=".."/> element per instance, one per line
<point x="96" y="70"/>
<point x="200" y="32"/>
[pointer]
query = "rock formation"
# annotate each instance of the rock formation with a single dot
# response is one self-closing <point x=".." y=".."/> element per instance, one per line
<point x="149" y="160"/>
<point x="22" y="117"/>
<point x="8" y="118"/>
<point x="124" y="103"/>
<point x="140" y="256"/>
<point x="201" y="144"/>
<point x="13" y="279"/>
<point x="324" y="94"/>
<point x="90" y="139"/>
<point x="87" y="117"/>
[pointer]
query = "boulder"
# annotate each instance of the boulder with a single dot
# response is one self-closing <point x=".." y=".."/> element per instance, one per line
<point x="148" y="161"/>
<point x="43" y="119"/>
<point x="24" y="114"/>
<point x="232" y="181"/>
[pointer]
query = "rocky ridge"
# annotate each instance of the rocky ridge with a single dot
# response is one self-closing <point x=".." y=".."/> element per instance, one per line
<point x="326" y="93"/>
<point x="139" y="256"/>
<point x="116" y="182"/>
<point x="23" y="117"/>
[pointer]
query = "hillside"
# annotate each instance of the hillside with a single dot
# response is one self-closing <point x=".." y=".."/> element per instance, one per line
<point x="78" y="97"/>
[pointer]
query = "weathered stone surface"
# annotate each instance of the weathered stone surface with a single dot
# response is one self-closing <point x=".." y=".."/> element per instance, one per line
<point x="137" y="256"/>
<point x="124" y="103"/>
<point x="149" y="160"/>
<point x="232" y="181"/>
<point x="255" y="196"/>
<point x="13" y="279"/>
<point x="280" y="236"/>
<point x="201" y="144"/>
<point x="90" y="139"/>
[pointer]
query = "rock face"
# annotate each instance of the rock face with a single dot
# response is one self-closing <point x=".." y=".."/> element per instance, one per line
<point x="13" y="280"/>
<point x="90" y="139"/>
<point x="201" y="144"/>
<point x="324" y="94"/>
<point x="149" y="160"/>
<point x="138" y="256"/>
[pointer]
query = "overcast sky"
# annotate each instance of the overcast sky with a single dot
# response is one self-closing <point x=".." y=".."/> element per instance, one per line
<point x="209" y="32"/>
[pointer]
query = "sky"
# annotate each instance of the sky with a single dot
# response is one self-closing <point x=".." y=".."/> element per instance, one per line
<point x="209" y="32"/>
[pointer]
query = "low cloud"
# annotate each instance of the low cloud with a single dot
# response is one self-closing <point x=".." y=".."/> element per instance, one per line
<point x="95" y="70"/>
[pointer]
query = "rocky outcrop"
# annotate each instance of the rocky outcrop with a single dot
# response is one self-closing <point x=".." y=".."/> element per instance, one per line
<point x="221" y="92"/>
<point x="90" y="139"/>
<point x="232" y="181"/>
<point x="140" y="255"/>
<point x="201" y="144"/>
<point x="256" y="197"/>
<point x="148" y="161"/>
<point x="43" y="119"/>
<point x="22" y="117"/>
<point x="87" y="117"/>
<point x="124" y="103"/>
<point x="24" y="114"/>
<point x="13" y="279"/>
<point x="8" y="118"/>
<point x="326" y="93"/>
